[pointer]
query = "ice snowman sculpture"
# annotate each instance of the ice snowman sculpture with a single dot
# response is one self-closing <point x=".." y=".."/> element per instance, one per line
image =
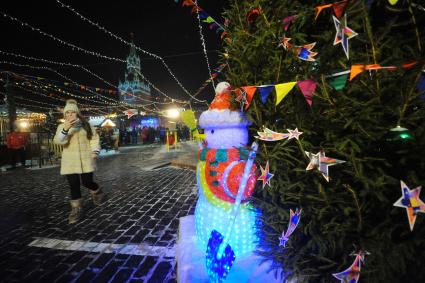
<point x="220" y="167"/>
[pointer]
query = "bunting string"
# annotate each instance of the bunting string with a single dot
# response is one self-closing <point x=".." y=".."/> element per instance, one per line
<point x="204" y="16"/>
<point x="308" y="87"/>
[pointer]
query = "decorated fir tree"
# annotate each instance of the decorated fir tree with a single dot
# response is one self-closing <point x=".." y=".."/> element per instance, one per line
<point x="345" y="93"/>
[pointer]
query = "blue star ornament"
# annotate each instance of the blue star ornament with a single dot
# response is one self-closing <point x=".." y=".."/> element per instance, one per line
<point x="265" y="175"/>
<point x="343" y="34"/>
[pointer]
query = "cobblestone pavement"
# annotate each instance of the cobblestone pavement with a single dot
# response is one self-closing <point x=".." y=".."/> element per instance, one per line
<point x="143" y="208"/>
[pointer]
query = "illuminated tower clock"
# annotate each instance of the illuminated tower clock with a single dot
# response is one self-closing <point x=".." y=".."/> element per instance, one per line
<point x="134" y="85"/>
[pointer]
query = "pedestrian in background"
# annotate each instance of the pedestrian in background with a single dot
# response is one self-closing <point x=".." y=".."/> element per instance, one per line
<point x="80" y="149"/>
<point x="16" y="143"/>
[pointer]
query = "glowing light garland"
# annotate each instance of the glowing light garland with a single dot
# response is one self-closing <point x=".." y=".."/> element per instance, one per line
<point x="73" y="65"/>
<point x="59" y="99"/>
<point x="74" y="47"/>
<point x="49" y="108"/>
<point x="84" y="106"/>
<point x="115" y="103"/>
<point x="57" y="63"/>
<point x="122" y="102"/>
<point x="203" y="44"/>
<point x="38" y="85"/>
<point x="51" y="70"/>
<point x="129" y="44"/>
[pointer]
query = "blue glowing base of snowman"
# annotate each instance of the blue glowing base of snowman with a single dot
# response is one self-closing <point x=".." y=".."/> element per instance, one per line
<point x="208" y="217"/>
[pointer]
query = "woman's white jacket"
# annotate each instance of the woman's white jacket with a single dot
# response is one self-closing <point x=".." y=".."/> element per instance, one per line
<point x="78" y="150"/>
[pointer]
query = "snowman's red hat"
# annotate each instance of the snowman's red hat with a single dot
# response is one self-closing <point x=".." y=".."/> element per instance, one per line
<point x="222" y="112"/>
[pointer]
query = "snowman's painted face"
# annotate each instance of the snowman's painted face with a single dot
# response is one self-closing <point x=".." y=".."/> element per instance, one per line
<point x="227" y="137"/>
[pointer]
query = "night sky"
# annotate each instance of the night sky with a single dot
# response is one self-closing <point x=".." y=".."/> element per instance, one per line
<point x="162" y="27"/>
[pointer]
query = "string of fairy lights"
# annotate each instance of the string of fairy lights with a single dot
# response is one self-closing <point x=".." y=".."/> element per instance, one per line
<point x="107" y="101"/>
<point x="114" y="102"/>
<point x="40" y="85"/>
<point x="203" y="43"/>
<point x="49" y="95"/>
<point x="56" y="72"/>
<point x="50" y="106"/>
<point x="63" y="5"/>
<point x="88" y="52"/>
<point x="67" y="64"/>
<point x="57" y="63"/>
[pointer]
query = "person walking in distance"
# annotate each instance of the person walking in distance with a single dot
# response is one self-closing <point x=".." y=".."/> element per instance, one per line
<point x="80" y="150"/>
<point x="16" y="143"/>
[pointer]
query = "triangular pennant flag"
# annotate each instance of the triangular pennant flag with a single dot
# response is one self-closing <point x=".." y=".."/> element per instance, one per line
<point x="339" y="82"/>
<point x="307" y="87"/>
<point x="213" y="25"/>
<point x="265" y="91"/>
<point x="203" y="15"/>
<point x="209" y="20"/>
<point x="319" y="9"/>
<point x="188" y="3"/>
<point x="339" y="8"/>
<point x="249" y="90"/>
<point x="356" y="70"/>
<point x="282" y="90"/>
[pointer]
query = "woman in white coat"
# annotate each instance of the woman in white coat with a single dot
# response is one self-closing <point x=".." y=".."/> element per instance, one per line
<point x="80" y="150"/>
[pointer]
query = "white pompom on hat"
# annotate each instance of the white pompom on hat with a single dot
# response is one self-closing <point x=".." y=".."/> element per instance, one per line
<point x="223" y="87"/>
<point x="71" y="105"/>
<point x="222" y="113"/>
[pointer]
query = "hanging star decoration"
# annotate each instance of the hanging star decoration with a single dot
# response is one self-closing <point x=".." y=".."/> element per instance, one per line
<point x="352" y="274"/>
<point x="321" y="162"/>
<point x="265" y="175"/>
<point x="269" y="135"/>
<point x="411" y="201"/>
<point x="285" y="43"/>
<point x="343" y="34"/>
<point x="130" y="113"/>
<point x="294" y="219"/>
<point x="253" y="14"/>
<point x="294" y="134"/>
<point x="304" y="52"/>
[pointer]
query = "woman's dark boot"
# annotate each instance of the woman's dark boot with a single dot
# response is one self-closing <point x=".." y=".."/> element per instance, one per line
<point x="97" y="196"/>
<point x="76" y="211"/>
